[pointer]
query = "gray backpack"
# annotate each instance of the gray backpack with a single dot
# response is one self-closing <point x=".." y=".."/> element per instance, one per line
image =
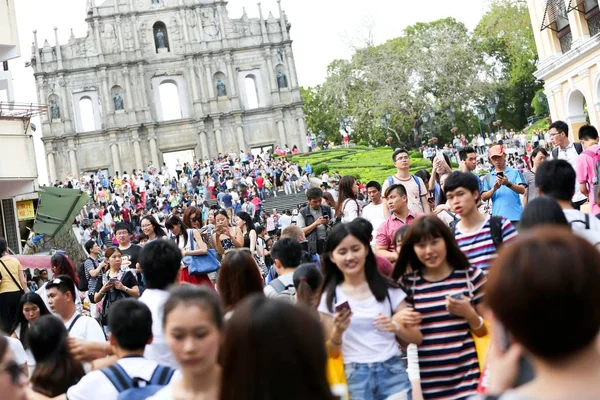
<point x="283" y="292"/>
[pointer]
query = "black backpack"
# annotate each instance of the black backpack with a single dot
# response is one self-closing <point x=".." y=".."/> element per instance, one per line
<point x="83" y="280"/>
<point x="495" y="230"/>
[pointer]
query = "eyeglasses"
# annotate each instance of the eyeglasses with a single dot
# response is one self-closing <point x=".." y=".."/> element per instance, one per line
<point x="14" y="370"/>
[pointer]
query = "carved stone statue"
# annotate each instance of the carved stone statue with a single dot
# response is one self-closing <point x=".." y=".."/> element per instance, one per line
<point x="282" y="80"/>
<point x="221" y="89"/>
<point x="54" y="109"/>
<point x="155" y="1"/>
<point x="160" y="39"/>
<point x="118" y="101"/>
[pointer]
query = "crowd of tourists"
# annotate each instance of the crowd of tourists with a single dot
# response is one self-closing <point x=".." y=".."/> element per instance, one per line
<point x="439" y="285"/>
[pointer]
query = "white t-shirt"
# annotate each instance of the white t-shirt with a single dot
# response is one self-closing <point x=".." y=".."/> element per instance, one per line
<point x="350" y="210"/>
<point x="97" y="383"/>
<point x="287" y="280"/>
<point x="165" y="393"/>
<point x="362" y="343"/>
<point x="18" y="351"/>
<point x="285" y="221"/>
<point x="577" y="218"/>
<point x="30" y="357"/>
<point x="158" y="350"/>
<point x="85" y="328"/>
<point x="374" y="214"/>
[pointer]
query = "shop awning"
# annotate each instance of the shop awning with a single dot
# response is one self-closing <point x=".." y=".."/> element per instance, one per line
<point x="57" y="209"/>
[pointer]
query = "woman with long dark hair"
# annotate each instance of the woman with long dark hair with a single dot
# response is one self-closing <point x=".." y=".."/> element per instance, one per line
<point x="348" y="208"/>
<point x="360" y="312"/>
<point x="114" y="285"/>
<point x="447" y="294"/>
<point x="226" y="236"/>
<point x="12" y="286"/>
<point x="239" y="277"/>
<point x="151" y="228"/>
<point x="247" y="358"/>
<point x="62" y="265"/>
<point x="31" y="308"/>
<point x="183" y="237"/>
<point x="56" y="370"/>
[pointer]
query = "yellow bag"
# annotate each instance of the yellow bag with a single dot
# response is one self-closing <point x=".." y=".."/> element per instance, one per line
<point x="336" y="377"/>
<point x="482" y="345"/>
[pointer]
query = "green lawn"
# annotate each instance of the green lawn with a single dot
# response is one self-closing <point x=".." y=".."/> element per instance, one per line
<point x="366" y="164"/>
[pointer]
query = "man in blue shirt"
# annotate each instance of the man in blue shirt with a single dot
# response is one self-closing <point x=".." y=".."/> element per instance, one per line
<point x="308" y="168"/>
<point x="503" y="185"/>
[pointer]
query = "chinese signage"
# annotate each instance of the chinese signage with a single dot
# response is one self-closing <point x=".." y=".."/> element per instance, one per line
<point x="25" y="210"/>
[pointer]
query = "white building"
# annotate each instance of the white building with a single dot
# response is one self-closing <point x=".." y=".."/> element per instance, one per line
<point x="18" y="171"/>
<point x="166" y="77"/>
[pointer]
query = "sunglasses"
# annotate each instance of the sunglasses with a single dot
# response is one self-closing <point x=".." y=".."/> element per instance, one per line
<point x="14" y="370"/>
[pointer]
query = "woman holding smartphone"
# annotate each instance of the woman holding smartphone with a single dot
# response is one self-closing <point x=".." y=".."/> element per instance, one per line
<point x="360" y="314"/>
<point x="447" y="294"/>
<point x="226" y="236"/>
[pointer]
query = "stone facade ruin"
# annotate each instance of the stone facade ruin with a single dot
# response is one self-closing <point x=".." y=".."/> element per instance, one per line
<point x="111" y="94"/>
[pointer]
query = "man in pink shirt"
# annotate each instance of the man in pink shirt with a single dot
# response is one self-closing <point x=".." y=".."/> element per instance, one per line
<point x="397" y="201"/>
<point x="586" y="165"/>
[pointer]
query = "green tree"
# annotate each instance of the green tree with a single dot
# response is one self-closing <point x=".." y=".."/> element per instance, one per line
<point x="321" y="115"/>
<point x="505" y="37"/>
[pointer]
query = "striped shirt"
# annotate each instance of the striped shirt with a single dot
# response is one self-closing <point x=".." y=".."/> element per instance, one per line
<point x="447" y="356"/>
<point x="479" y="247"/>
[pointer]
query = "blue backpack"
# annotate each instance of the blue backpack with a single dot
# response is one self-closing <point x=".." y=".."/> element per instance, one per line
<point x="390" y="182"/>
<point x="130" y="389"/>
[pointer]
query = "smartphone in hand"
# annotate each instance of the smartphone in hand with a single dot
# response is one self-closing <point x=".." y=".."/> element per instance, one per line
<point x="342" y="307"/>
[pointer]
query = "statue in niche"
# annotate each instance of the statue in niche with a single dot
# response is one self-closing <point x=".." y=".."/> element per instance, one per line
<point x="280" y="55"/>
<point x="282" y="80"/>
<point x="118" y="101"/>
<point x="221" y="88"/>
<point x="155" y="1"/>
<point x="160" y="39"/>
<point x="54" y="109"/>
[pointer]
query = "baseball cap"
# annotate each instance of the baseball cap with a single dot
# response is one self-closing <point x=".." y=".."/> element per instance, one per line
<point x="496" y="151"/>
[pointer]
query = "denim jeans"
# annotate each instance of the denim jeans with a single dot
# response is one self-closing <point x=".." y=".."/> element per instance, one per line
<point x="378" y="381"/>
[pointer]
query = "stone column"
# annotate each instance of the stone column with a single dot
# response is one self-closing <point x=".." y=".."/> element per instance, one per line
<point x="58" y="52"/>
<point x="218" y="138"/>
<point x="186" y="33"/>
<point x="193" y="80"/>
<point x="73" y="159"/>
<point x="98" y="41"/>
<point x="272" y="77"/>
<point x="137" y="151"/>
<point x="114" y="149"/>
<point x="302" y="130"/>
<point x="203" y="144"/>
<point x="263" y="28"/>
<point x="198" y="11"/>
<point x="119" y="32"/>
<point x="281" y="130"/>
<point x="224" y="41"/>
<point x="240" y="134"/>
<point x="153" y="146"/>
<point x="65" y="100"/>
<point x="128" y="97"/>
<point x="51" y="167"/>
<point x="209" y="79"/>
<point x="136" y="36"/>
<point x="284" y="31"/>
<point x="291" y="67"/>
<point x="144" y="94"/>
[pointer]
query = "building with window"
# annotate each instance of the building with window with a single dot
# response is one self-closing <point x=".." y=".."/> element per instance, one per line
<point x="18" y="170"/>
<point x="568" y="42"/>
<point x="158" y="77"/>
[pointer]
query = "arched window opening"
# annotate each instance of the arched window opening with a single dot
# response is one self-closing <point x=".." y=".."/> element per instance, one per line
<point x="86" y="111"/>
<point x="161" y="37"/>
<point x="251" y="92"/>
<point x="169" y="101"/>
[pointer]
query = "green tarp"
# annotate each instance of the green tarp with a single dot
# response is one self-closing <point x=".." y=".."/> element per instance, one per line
<point x="57" y="209"/>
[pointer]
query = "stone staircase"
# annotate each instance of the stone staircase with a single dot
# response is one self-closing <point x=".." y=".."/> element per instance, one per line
<point x="284" y="202"/>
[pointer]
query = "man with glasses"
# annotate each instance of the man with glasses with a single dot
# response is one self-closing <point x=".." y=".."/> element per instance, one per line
<point x="313" y="219"/>
<point x="130" y="251"/>
<point x="564" y="149"/>
<point x="416" y="190"/>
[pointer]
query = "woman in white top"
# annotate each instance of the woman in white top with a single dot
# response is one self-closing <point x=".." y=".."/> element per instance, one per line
<point x="193" y="323"/>
<point x="31" y="308"/>
<point x="62" y="265"/>
<point x="360" y="313"/>
<point x="348" y="208"/>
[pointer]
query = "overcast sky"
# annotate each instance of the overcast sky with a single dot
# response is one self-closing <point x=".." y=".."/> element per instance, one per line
<point x="322" y="31"/>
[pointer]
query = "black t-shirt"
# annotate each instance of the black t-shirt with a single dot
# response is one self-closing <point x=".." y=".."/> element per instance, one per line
<point x="127" y="279"/>
<point x="130" y="256"/>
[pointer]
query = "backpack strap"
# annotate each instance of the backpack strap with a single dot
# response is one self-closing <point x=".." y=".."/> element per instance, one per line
<point x="118" y="377"/>
<point x="587" y="221"/>
<point x="73" y="323"/>
<point x="578" y="147"/>
<point x="496" y="231"/>
<point x="277" y="285"/>
<point x="162" y="375"/>
<point x="555" y="153"/>
<point x="390" y="181"/>
<point x="418" y="185"/>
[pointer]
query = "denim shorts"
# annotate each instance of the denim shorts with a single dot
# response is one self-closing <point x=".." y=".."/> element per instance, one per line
<point x="378" y="381"/>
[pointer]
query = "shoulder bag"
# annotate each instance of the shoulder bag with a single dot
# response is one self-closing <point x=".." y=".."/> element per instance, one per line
<point x="201" y="264"/>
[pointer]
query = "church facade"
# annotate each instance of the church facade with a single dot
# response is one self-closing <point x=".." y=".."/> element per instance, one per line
<point x="160" y="76"/>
